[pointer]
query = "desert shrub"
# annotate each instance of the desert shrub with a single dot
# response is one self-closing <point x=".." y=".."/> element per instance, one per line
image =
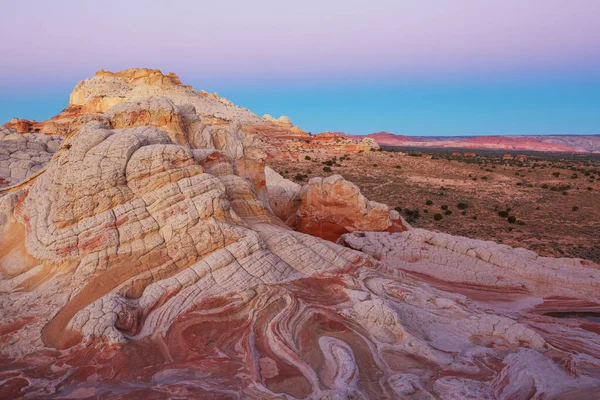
<point x="508" y="209"/>
<point x="545" y="186"/>
<point x="512" y="219"/>
<point x="307" y="158"/>
<point x="484" y="178"/>
<point x="299" y="177"/>
<point x="374" y="165"/>
<point x="437" y="216"/>
<point x="397" y="166"/>
<point x="474" y="217"/>
<point x="520" y="222"/>
<point x="329" y="163"/>
<point x="326" y="169"/>
<point x="425" y="211"/>
<point x="519" y="183"/>
<point x="589" y="188"/>
<point x="503" y="214"/>
<point x="574" y="176"/>
<point x="463" y="212"/>
<point x="399" y="209"/>
<point x="411" y="215"/>
<point x="444" y="207"/>
<point x="556" y="174"/>
<point x="462" y="206"/>
<point x="564" y="193"/>
<point x="429" y="202"/>
<point x="447" y="212"/>
<point x="574" y="208"/>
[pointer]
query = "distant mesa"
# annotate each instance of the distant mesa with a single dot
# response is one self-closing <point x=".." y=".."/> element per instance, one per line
<point x="546" y="143"/>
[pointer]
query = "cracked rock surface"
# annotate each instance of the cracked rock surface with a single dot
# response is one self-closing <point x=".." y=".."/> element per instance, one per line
<point x="154" y="257"/>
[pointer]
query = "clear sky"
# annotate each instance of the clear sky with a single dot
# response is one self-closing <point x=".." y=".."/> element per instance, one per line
<point x="416" y="67"/>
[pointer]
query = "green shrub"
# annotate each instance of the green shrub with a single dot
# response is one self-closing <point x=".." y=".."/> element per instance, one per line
<point x="429" y="202"/>
<point x="474" y="217"/>
<point x="437" y="216"/>
<point x="512" y="219"/>
<point x="374" y="165"/>
<point x="503" y="214"/>
<point x="444" y="207"/>
<point x="397" y="166"/>
<point x="556" y="174"/>
<point x="574" y="208"/>
<point x="326" y="169"/>
<point x="447" y="212"/>
<point x="545" y="186"/>
<point x="307" y="158"/>
<point x="462" y="206"/>
<point x="299" y="177"/>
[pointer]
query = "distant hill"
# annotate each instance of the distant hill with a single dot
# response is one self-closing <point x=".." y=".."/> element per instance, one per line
<point x="549" y="143"/>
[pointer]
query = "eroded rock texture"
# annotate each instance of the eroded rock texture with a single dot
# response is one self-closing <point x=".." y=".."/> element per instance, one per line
<point x="152" y="257"/>
<point x="22" y="155"/>
<point x="142" y="96"/>
<point x="328" y="207"/>
<point x="332" y="206"/>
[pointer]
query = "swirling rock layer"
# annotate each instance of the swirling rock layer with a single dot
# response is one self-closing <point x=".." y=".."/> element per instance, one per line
<point x="150" y="258"/>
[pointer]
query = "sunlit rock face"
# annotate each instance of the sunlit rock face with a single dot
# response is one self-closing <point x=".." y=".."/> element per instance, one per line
<point x="153" y="257"/>
<point x="328" y="207"/>
<point x="142" y="89"/>
<point x="332" y="206"/>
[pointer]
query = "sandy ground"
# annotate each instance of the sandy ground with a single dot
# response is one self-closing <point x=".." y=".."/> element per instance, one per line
<point x="546" y="222"/>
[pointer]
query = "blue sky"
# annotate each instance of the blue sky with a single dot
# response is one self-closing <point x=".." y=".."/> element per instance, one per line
<point x="437" y="67"/>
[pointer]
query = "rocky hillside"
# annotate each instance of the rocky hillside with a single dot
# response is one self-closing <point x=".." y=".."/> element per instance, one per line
<point x="156" y="255"/>
<point x="106" y="91"/>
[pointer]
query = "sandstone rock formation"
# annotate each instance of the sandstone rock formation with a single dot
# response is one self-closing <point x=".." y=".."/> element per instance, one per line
<point x="149" y="258"/>
<point x="107" y="91"/>
<point x="22" y="155"/>
<point x="328" y="207"/>
<point x="284" y="195"/>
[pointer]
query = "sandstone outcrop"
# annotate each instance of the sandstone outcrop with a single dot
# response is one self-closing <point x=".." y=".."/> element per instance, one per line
<point x="149" y="258"/>
<point x="22" y="155"/>
<point x="92" y="98"/>
<point x="328" y="207"/>
<point x="284" y="195"/>
<point x="460" y="263"/>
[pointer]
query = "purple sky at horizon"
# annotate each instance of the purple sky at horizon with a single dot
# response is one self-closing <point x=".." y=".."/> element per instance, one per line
<point x="485" y="67"/>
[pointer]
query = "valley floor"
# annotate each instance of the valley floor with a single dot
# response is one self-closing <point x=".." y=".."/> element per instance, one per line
<point x="555" y="215"/>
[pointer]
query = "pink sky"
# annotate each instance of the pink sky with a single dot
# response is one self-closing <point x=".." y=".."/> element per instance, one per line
<point x="269" y="39"/>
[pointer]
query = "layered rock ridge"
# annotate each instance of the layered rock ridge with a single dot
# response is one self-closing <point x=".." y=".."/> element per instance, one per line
<point x="153" y="254"/>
